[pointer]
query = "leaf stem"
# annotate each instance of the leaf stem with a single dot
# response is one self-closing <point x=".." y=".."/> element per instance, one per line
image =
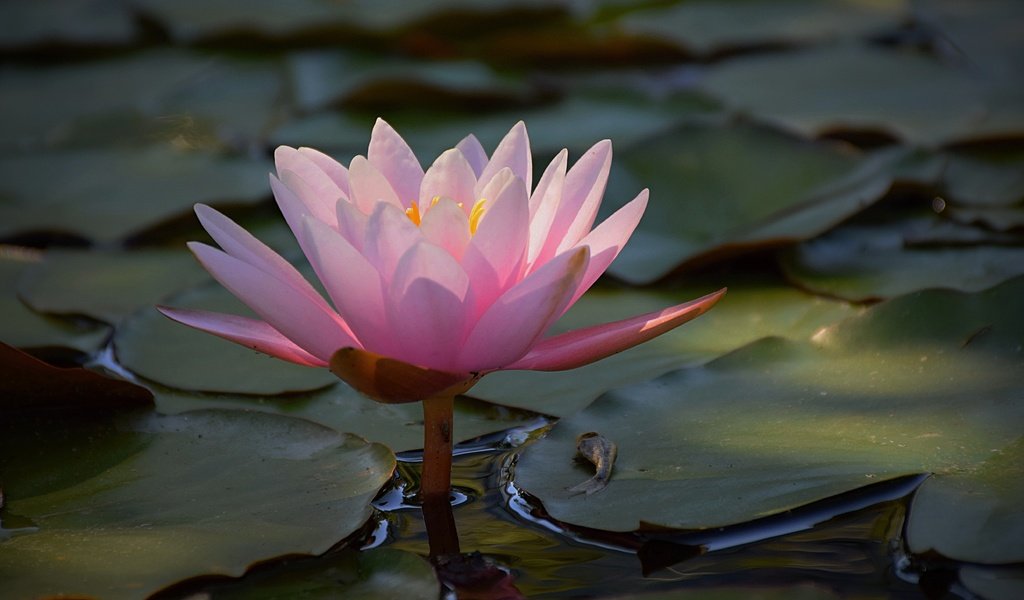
<point x="436" y="478"/>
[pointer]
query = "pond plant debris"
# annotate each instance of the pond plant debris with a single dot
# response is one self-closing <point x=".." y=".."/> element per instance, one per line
<point x="437" y="277"/>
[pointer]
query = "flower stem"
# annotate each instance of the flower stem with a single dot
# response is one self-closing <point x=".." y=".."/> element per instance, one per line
<point x="436" y="479"/>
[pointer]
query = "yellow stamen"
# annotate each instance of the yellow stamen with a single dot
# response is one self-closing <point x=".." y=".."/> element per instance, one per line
<point x="476" y="214"/>
<point x="413" y="212"/>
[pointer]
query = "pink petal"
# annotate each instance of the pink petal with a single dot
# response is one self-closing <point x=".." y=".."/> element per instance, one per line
<point x="608" y="238"/>
<point x="241" y="244"/>
<point x="332" y="168"/>
<point x="394" y="158"/>
<point x="474" y="153"/>
<point x="321" y="192"/>
<point x="312" y="325"/>
<point x="369" y="186"/>
<point x="494" y="257"/>
<point x="451" y="176"/>
<point x="514" y="323"/>
<point x="352" y="283"/>
<point x="490" y="189"/>
<point x="248" y="332"/>
<point x="389" y="235"/>
<point x="581" y="198"/>
<point x="352" y="224"/>
<point x="426" y="307"/>
<point x="447" y="226"/>
<point x="544" y="204"/>
<point x="584" y="346"/>
<point x="513" y="152"/>
<point x="295" y="198"/>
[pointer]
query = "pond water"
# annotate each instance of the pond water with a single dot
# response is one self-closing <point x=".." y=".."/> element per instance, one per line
<point x="847" y="546"/>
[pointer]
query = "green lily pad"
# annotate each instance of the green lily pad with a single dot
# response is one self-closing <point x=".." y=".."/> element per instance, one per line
<point x="986" y="500"/>
<point x="208" y="492"/>
<point x="93" y="22"/>
<point x="749" y="310"/>
<point x="985" y="178"/>
<point x="1005" y="219"/>
<point x="321" y="79"/>
<point x="865" y="262"/>
<point x="984" y="34"/>
<point x="379" y="574"/>
<point x="576" y="123"/>
<point x="24" y="328"/>
<point x="398" y="426"/>
<point x="906" y="94"/>
<point x="151" y="184"/>
<point x="1005" y="583"/>
<point x="701" y="211"/>
<point x="705" y="27"/>
<point x="106" y="286"/>
<point x="927" y="382"/>
<point x="181" y="97"/>
<point x="156" y="348"/>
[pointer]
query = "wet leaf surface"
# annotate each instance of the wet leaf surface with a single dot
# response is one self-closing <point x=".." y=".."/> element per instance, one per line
<point x="151" y="184"/>
<point x="207" y="492"/>
<point x="700" y="211"/>
<point x="23" y="328"/>
<point x="872" y="261"/>
<point x="900" y="92"/>
<point x="749" y="310"/>
<point x="925" y="382"/>
<point x="93" y="22"/>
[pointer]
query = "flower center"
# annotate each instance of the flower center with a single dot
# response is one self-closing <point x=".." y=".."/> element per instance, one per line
<point x="475" y="214"/>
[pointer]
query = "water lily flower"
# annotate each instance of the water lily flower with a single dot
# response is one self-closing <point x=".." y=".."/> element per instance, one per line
<point x="435" y="276"/>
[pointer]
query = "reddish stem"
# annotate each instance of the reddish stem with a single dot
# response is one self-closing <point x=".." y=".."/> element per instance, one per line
<point x="436" y="478"/>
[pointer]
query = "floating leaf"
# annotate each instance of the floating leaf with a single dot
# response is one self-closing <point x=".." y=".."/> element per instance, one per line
<point x="701" y="211"/>
<point x="378" y="574"/>
<point x="901" y="93"/>
<point x="866" y="262"/>
<point x="321" y="79"/>
<point x="750" y="310"/>
<point x="986" y="500"/>
<point x="202" y="493"/>
<point x="30" y="387"/>
<point x="398" y="426"/>
<point x="985" y="177"/>
<point x="152" y="346"/>
<point x="705" y="27"/>
<point x="993" y="583"/>
<point x="92" y="22"/>
<point x="152" y="184"/>
<point x="106" y="286"/>
<point x="926" y="382"/>
<point x="24" y="328"/>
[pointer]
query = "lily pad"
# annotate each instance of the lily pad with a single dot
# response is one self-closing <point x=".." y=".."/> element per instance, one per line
<point x="701" y="211"/>
<point x="705" y="27"/>
<point x="576" y="123"/>
<point x="985" y="177"/>
<point x="398" y="426"/>
<point x="29" y="388"/>
<point x="208" y="492"/>
<point x="156" y="348"/>
<point x="379" y="574"/>
<point x="92" y="22"/>
<point x="994" y="583"/>
<point x="169" y="94"/>
<point x="24" y="328"/>
<point x="152" y="184"/>
<point x="321" y="79"/>
<point x="927" y="382"/>
<point x="750" y="310"/>
<point x="106" y="286"/>
<point x="864" y="262"/>
<point x="901" y="93"/>
<point x="986" y="500"/>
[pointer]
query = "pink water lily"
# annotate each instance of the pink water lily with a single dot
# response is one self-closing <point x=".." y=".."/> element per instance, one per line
<point x="458" y="270"/>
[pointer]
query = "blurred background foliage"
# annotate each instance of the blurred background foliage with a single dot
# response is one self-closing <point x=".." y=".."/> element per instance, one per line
<point x="831" y="161"/>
